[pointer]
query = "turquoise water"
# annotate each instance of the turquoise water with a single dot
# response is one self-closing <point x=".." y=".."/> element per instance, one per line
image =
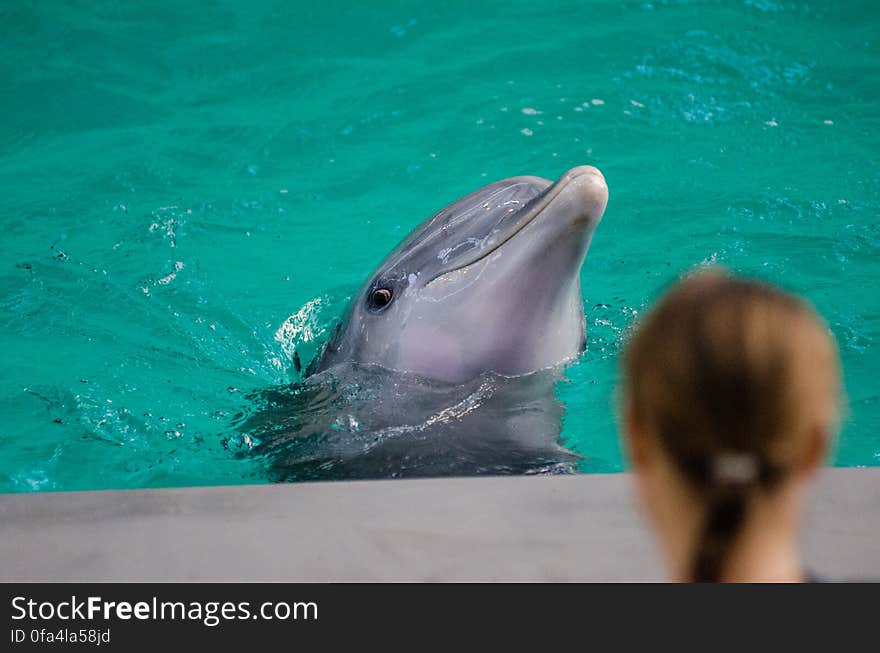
<point x="182" y="180"/>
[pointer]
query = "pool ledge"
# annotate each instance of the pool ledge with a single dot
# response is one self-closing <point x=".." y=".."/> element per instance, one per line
<point x="571" y="528"/>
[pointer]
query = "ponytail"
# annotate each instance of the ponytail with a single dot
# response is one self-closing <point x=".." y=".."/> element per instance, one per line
<point x="725" y="513"/>
<point x="731" y="482"/>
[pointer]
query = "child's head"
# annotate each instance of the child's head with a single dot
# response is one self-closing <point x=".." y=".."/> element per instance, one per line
<point x="736" y="385"/>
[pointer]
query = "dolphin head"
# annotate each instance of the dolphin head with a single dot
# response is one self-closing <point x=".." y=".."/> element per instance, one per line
<point x="490" y="283"/>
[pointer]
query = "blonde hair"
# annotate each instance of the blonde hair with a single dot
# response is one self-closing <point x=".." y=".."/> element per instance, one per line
<point x="735" y="377"/>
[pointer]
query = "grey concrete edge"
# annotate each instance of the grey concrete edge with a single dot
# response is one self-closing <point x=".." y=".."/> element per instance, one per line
<point x="549" y="528"/>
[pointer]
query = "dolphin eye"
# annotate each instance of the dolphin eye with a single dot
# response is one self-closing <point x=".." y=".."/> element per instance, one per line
<point x="380" y="297"/>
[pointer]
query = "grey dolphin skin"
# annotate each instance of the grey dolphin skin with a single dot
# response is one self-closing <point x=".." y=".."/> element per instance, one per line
<point x="491" y="283"/>
<point x="447" y="358"/>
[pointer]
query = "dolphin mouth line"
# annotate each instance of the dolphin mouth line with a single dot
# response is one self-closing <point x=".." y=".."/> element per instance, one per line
<point x="542" y="202"/>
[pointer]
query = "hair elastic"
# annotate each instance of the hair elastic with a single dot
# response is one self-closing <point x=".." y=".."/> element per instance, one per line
<point x="735" y="468"/>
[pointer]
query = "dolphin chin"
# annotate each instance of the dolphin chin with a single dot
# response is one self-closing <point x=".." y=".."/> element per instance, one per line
<point x="490" y="283"/>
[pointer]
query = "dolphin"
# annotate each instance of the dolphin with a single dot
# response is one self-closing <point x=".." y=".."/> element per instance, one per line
<point x="447" y="357"/>
<point x="490" y="283"/>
